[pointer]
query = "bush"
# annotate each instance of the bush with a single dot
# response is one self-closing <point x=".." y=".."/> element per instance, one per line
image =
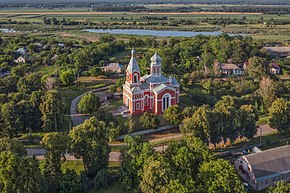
<point x="149" y="121"/>
<point x="102" y="179"/>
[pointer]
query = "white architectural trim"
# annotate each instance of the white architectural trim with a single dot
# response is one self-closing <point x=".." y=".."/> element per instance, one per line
<point x="165" y="96"/>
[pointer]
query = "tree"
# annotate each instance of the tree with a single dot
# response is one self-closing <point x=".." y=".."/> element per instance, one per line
<point x="133" y="159"/>
<point x="218" y="176"/>
<point x="258" y="67"/>
<point x="281" y="187"/>
<point x="90" y="141"/>
<point x="184" y="159"/>
<point x="130" y="125"/>
<point x="52" y="110"/>
<point x="89" y="103"/>
<point x="280" y="115"/>
<point x="173" y="114"/>
<point x="267" y="91"/>
<point x="149" y="121"/>
<point x="197" y="125"/>
<point x="8" y="144"/>
<point x="55" y="145"/>
<point x="67" y="77"/>
<point x="70" y="182"/>
<point x="249" y="116"/>
<point x="155" y="176"/>
<point x="19" y="174"/>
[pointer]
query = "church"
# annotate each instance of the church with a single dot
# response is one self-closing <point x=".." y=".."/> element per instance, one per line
<point x="149" y="93"/>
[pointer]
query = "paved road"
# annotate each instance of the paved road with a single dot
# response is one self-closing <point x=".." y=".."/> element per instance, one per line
<point x="39" y="154"/>
<point x="78" y="118"/>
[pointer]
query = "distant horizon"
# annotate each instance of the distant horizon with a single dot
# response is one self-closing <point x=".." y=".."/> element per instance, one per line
<point x="258" y="2"/>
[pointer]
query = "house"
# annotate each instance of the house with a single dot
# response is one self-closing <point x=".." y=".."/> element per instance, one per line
<point x="21" y="51"/>
<point x="229" y="69"/>
<point x="278" y="51"/>
<point x="113" y="67"/>
<point x="275" y="68"/>
<point x="149" y="93"/>
<point x="20" y="59"/>
<point x="264" y="168"/>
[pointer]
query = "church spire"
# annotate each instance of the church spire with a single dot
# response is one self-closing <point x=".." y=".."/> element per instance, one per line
<point x="155" y="67"/>
<point x="133" y="65"/>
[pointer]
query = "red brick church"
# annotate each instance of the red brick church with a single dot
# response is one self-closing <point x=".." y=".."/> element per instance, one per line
<point x="153" y="92"/>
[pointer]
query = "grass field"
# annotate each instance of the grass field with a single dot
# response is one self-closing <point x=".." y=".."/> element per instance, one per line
<point x="124" y="20"/>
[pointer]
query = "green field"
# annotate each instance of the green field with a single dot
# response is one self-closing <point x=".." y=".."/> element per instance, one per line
<point x="259" y="26"/>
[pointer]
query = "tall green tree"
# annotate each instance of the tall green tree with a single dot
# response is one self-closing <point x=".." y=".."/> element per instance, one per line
<point x="55" y="145"/>
<point x="19" y="174"/>
<point x="219" y="176"/>
<point x="173" y="114"/>
<point x="155" y="176"/>
<point x="134" y="157"/>
<point x="280" y="115"/>
<point x="52" y="109"/>
<point x="90" y="141"/>
<point x="12" y="145"/>
<point x="197" y="125"/>
<point x="249" y="116"/>
<point x="258" y="67"/>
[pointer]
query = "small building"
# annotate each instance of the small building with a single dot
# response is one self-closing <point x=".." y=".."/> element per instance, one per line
<point x="19" y="60"/>
<point x="229" y="69"/>
<point x="113" y="67"/>
<point x="150" y="93"/>
<point x="265" y="168"/>
<point x="21" y="51"/>
<point x="275" y="68"/>
<point x="278" y="51"/>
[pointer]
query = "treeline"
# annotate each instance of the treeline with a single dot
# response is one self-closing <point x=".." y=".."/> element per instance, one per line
<point x="256" y="9"/>
<point x="118" y="7"/>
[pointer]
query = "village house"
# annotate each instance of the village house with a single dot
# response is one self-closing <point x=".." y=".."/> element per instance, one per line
<point x="21" y="51"/>
<point x="265" y="168"/>
<point x="153" y="92"/>
<point x="229" y="69"/>
<point x="275" y="68"/>
<point x="19" y="60"/>
<point x="113" y="67"/>
<point x="278" y="51"/>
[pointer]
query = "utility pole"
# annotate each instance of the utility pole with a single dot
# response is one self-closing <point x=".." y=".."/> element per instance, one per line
<point x="260" y="135"/>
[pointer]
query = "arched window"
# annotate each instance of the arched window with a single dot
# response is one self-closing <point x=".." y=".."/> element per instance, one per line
<point x="146" y="100"/>
<point x="135" y="80"/>
<point x="166" y="101"/>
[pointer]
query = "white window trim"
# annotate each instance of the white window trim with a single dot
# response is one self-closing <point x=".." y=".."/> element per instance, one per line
<point x="169" y="101"/>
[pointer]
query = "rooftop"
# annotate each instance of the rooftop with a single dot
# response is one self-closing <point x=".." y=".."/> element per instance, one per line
<point x="155" y="79"/>
<point x="278" y="49"/>
<point x="228" y="66"/>
<point x="270" y="162"/>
